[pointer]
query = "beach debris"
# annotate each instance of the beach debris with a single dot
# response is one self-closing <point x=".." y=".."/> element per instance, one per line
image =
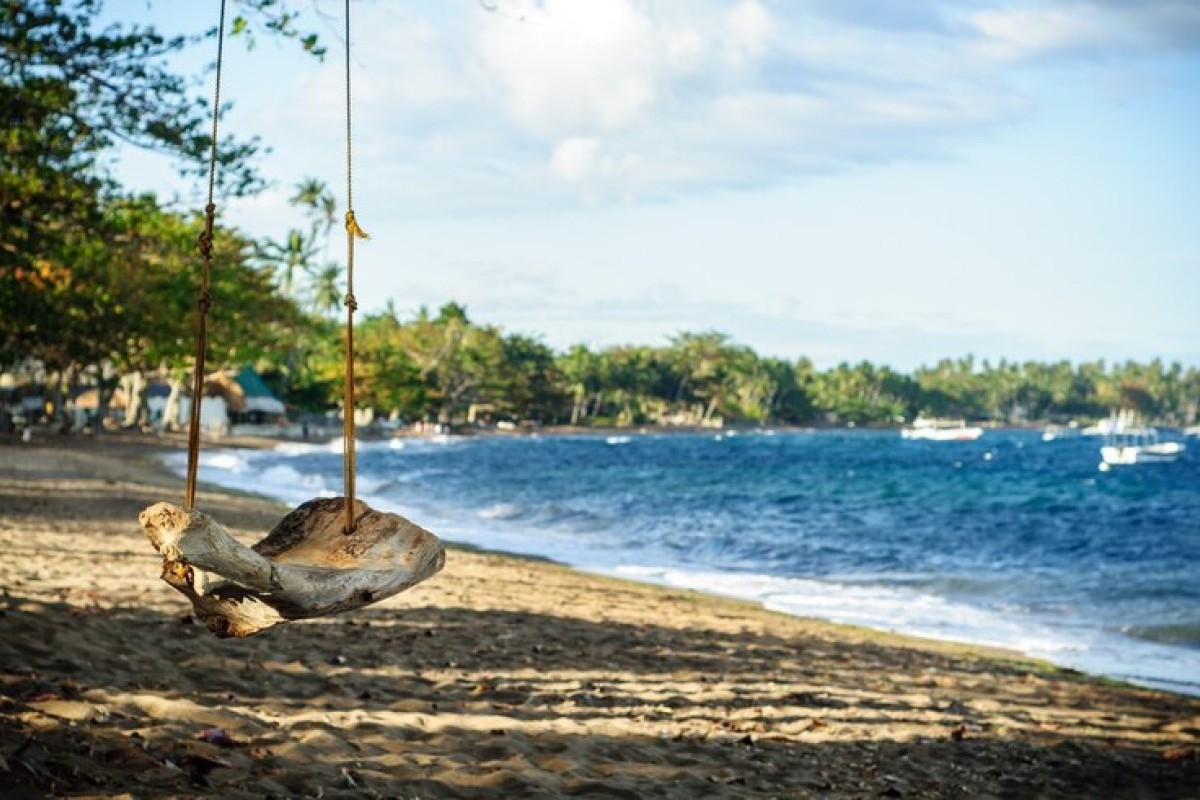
<point x="197" y="765"/>
<point x="1179" y="753"/>
<point x="219" y="737"/>
<point x="307" y="566"/>
<point x="963" y="730"/>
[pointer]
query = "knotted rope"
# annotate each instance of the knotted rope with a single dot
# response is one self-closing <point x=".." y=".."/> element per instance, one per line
<point x="353" y="231"/>
<point x="205" y="245"/>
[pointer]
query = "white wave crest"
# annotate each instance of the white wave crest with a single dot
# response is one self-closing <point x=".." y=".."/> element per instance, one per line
<point x="502" y="511"/>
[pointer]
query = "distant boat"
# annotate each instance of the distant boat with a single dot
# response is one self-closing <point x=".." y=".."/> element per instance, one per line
<point x="1143" y="453"/>
<point x="1055" y="432"/>
<point x="1123" y="422"/>
<point x="1105" y="427"/>
<point x="942" y="430"/>
<point x="1129" y="443"/>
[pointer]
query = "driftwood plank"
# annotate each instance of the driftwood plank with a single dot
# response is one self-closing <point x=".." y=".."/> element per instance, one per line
<point x="305" y="567"/>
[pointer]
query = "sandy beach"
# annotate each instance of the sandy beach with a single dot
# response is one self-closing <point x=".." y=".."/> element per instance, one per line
<point x="503" y="677"/>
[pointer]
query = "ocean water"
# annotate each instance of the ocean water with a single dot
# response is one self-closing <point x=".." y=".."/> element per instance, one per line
<point x="1006" y="541"/>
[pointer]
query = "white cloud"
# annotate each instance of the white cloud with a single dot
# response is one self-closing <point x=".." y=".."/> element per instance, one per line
<point x="748" y="33"/>
<point x="566" y="65"/>
<point x="540" y="101"/>
<point x="575" y="158"/>
<point x="683" y="49"/>
<point x="1019" y="33"/>
<point x="1095" y="29"/>
<point x="260" y="212"/>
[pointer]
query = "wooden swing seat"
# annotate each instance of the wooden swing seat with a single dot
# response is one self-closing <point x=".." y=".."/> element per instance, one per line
<point x="307" y="566"/>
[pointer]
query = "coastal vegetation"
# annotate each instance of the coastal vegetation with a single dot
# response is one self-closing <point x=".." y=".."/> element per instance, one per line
<point x="98" y="285"/>
<point x="127" y="311"/>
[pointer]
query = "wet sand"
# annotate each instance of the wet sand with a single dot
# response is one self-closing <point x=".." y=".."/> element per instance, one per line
<point x="503" y="677"/>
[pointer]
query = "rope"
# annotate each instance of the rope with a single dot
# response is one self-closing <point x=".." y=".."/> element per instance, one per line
<point x="205" y="246"/>
<point x="349" y="138"/>
<point x="353" y="231"/>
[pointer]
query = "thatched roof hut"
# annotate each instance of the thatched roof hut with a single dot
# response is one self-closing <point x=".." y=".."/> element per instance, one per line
<point x="243" y="392"/>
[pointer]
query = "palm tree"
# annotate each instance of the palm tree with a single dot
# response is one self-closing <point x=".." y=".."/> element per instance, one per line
<point x="580" y="367"/>
<point x="318" y="201"/>
<point x="702" y="361"/>
<point x="324" y="289"/>
<point x="290" y="258"/>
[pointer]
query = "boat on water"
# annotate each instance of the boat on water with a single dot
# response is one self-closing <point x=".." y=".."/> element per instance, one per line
<point x="1130" y="443"/>
<point x="942" y="430"/>
<point x="1192" y="431"/>
<point x="1140" y="453"/>
<point x="1053" y="433"/>
<point x="1118" y="423"/>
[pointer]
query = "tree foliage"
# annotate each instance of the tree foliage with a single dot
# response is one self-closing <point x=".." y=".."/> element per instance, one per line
<point x="438" y="366"/>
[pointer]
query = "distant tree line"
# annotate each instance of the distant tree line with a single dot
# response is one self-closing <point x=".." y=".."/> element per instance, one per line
<point x="124" y="313"/>
<point x="445" y="367"/>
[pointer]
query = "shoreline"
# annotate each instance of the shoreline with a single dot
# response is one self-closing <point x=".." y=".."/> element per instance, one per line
<point x="506" y="676"/>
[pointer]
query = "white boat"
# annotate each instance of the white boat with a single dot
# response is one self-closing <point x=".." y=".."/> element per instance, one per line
<point x="942" y="430"/>
<point x="1053" y="433"/>
<point x="1151" y="452"/>
<point x="1107" y="427"/>
<point x="1119" y="423"/>
<point x="1192" y="431"/>
<point x="1129" y="443"/>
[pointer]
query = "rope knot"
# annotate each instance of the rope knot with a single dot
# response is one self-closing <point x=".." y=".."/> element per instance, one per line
<point x="350" y="302"/>
<point x="204" y="242"/>
<point x="353" y="228"/>
<point x="206" y="301"/>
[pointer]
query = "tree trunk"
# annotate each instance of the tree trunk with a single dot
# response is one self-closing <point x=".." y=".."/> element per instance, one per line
<point x="105" y="385"/>
<point x="577" y="406"/>
<point x="170" y="418"/>
<point x="56" y="399"/>
<point x="61" y="421"/>
<point x="134" y="384"/>
<point x="72" y="390"/>
<point x="307" y="566"/>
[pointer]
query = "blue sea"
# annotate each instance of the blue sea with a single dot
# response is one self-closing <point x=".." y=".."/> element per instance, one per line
<point x="1006" y="541"/>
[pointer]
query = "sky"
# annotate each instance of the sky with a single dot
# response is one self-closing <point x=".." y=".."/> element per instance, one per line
<point x="886" y="180"/>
